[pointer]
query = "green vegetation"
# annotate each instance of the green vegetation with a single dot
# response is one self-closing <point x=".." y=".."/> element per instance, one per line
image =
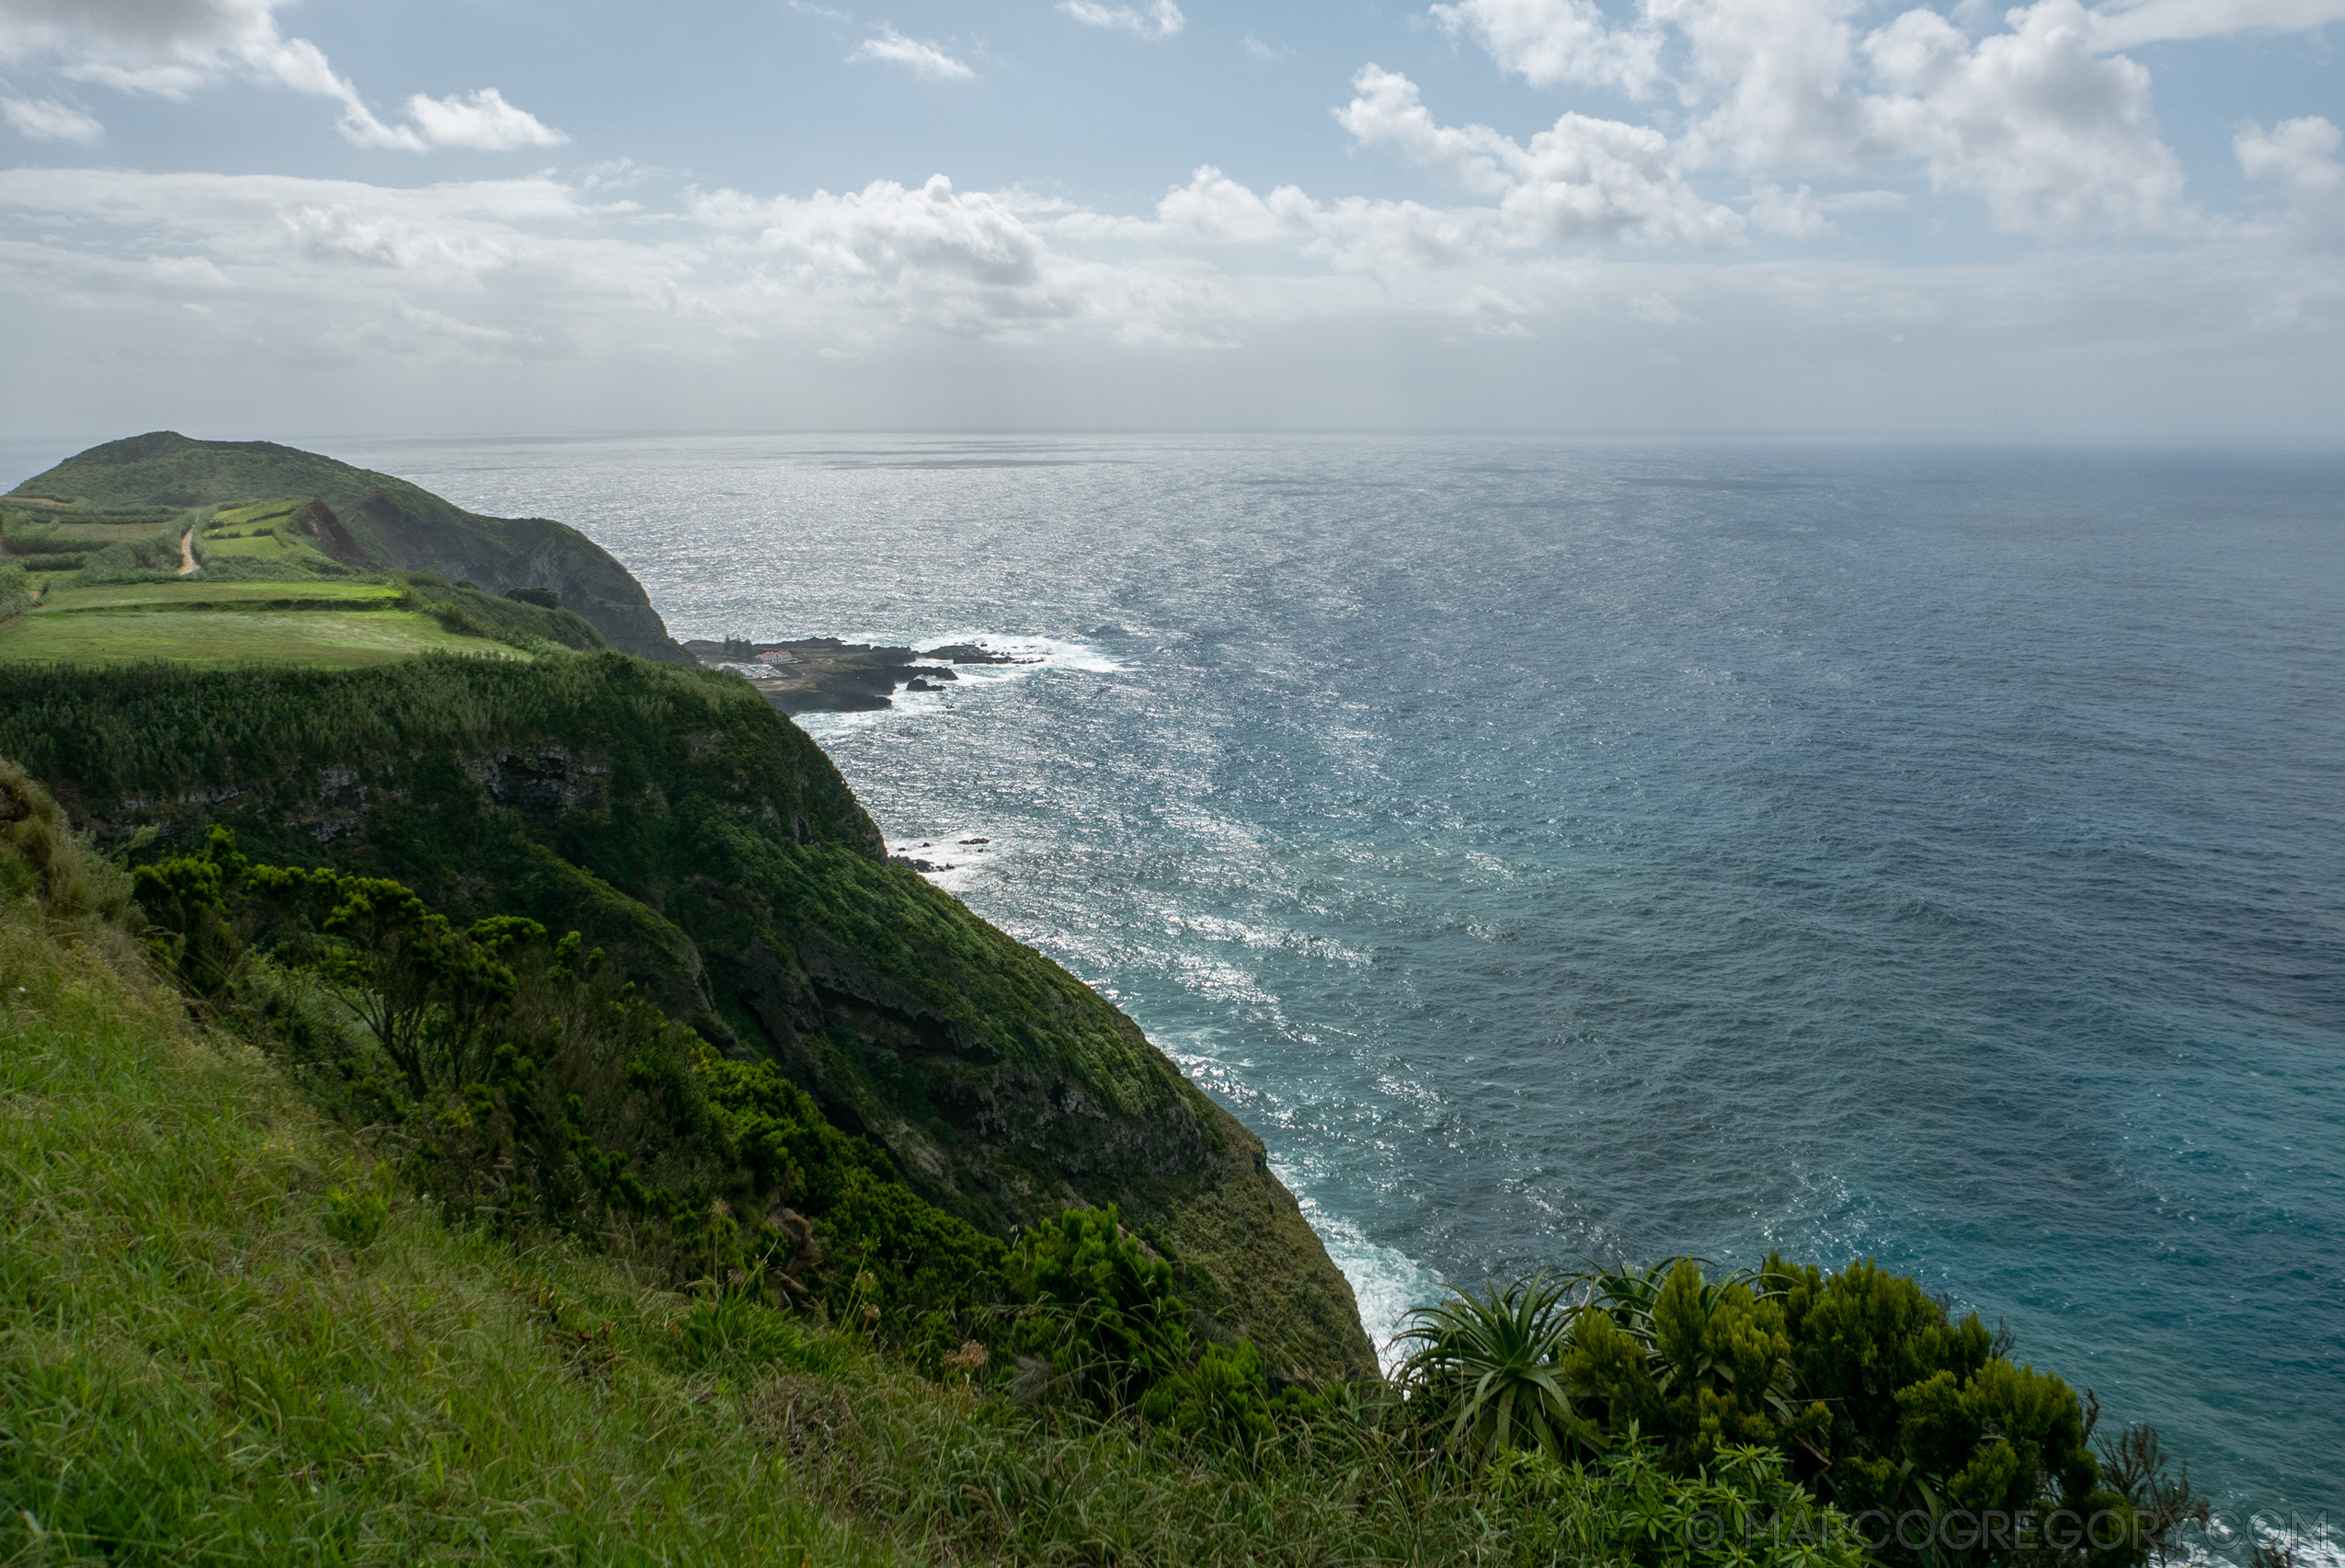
<point x="190" y="594"/>
<point x="102" y="617"/>
<point x="263" y="509"/>
<point x="198" y="1364"/>
<point x="1874" y="1398"/>
<point x="320" y="639"/>
<point x="1491" y="1368"/>
<point x="82" y="540"/>
<point x="532" y="1087"/>
<point x="526" y="623"/>
<point x="166" y="470"/>
<point x="681" y="824"/>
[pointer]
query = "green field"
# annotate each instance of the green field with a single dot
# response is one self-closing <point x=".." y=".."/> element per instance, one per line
<point x="253" y="547"/>
<point x="68" y="531"/>
<point x="194" y="593"/>
<point x="333" y="638"/>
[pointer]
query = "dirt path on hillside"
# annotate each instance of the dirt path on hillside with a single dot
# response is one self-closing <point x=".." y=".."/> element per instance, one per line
<point x="187" y="554"/>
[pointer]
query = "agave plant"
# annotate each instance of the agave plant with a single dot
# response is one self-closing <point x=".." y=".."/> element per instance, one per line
<point x="1491" y="1366"/>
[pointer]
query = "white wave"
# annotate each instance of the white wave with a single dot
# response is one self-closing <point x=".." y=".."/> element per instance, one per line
<point x="1046" y="653"/>
<point x="957" y="858"/>
<point x="825" y="726"/>
<point x="2235" y="1538"/>
<point x="1034" y="654"/>
<point x="1386" y="1281"/>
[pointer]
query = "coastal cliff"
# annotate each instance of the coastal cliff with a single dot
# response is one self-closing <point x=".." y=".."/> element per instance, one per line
<point x="678" y="820"/>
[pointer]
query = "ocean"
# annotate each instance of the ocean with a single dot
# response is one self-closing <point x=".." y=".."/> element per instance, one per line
<point x="1606" y="849"/>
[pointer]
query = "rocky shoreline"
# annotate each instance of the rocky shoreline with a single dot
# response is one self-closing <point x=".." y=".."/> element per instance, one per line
<point x="807" y="675"/>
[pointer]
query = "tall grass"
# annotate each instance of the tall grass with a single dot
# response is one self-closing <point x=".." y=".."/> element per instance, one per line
<point x="197" y="1366"/>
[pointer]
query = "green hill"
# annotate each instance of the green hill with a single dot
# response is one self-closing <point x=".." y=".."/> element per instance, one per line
<point x="365" y="520"/>
<point x="678" y="820"/>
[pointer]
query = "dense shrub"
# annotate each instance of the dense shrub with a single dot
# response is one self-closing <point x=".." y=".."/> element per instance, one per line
<point x="531" y="1084"/>
<point x="1633" y="1506"/>
<point x="1862" y="1385"/>
<point x="1111" y="1328"/>
<point x="130" y="560"/>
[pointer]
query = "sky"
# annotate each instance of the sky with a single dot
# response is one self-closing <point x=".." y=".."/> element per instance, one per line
<point x="2054" y="222"/>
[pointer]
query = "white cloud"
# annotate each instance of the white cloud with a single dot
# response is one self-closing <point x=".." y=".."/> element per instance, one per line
<point x="1548" y="43"/>
<point x="918" y="56"/>
<point x="1802" y="214"/>
<point x="2299" y="156"/>
<point x="484" y="121"/>
<point x="1213" y="209"/>
<point x="329" y="294"/>
<point x="2054" y="136"/>
<point x="1162" y="20"/>
<point x="889" y="233"/>
<point x="2041" y="119"/>
<point x="1581" y="179"/>
<point x="1403" y="244"/>
<point x="1773" y="73"/>
<point x="170" y="46"/>
<point x="45" y="119"/>
<point x="1265" y="51"/>
<point x="2153" y="21"/>
<point x="173" y="48"/>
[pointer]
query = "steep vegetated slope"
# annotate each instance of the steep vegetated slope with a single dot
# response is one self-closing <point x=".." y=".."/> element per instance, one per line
<point x="218" y="1344"/>
<point x="366" y="520"/>
<point x="678" y="820"/>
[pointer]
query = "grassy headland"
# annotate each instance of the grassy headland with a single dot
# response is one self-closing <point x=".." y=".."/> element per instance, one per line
<point x="255" y="508"/>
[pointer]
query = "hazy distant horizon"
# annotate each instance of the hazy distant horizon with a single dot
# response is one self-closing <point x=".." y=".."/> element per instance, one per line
<point x="23" y="457"/>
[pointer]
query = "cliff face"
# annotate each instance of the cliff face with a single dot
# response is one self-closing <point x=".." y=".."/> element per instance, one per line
<point x="371" y="521"/>
<point x="678" y="821"/>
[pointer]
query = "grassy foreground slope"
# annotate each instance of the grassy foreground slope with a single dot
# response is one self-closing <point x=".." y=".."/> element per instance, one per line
<point x="676" y="819"/>
<point x="359" y="518"/>
<point x="198" y="1365"/>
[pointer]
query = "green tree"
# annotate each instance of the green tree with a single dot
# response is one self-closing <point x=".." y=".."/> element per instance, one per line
<point x="428" y="993"/>
<point x="1695" y="1364"/>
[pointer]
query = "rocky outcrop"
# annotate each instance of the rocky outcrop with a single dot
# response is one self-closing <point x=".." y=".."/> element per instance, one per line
<point x="809" y="675"/>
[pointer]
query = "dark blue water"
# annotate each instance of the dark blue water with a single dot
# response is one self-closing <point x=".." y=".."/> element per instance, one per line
<point x="1563" y="849"/>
